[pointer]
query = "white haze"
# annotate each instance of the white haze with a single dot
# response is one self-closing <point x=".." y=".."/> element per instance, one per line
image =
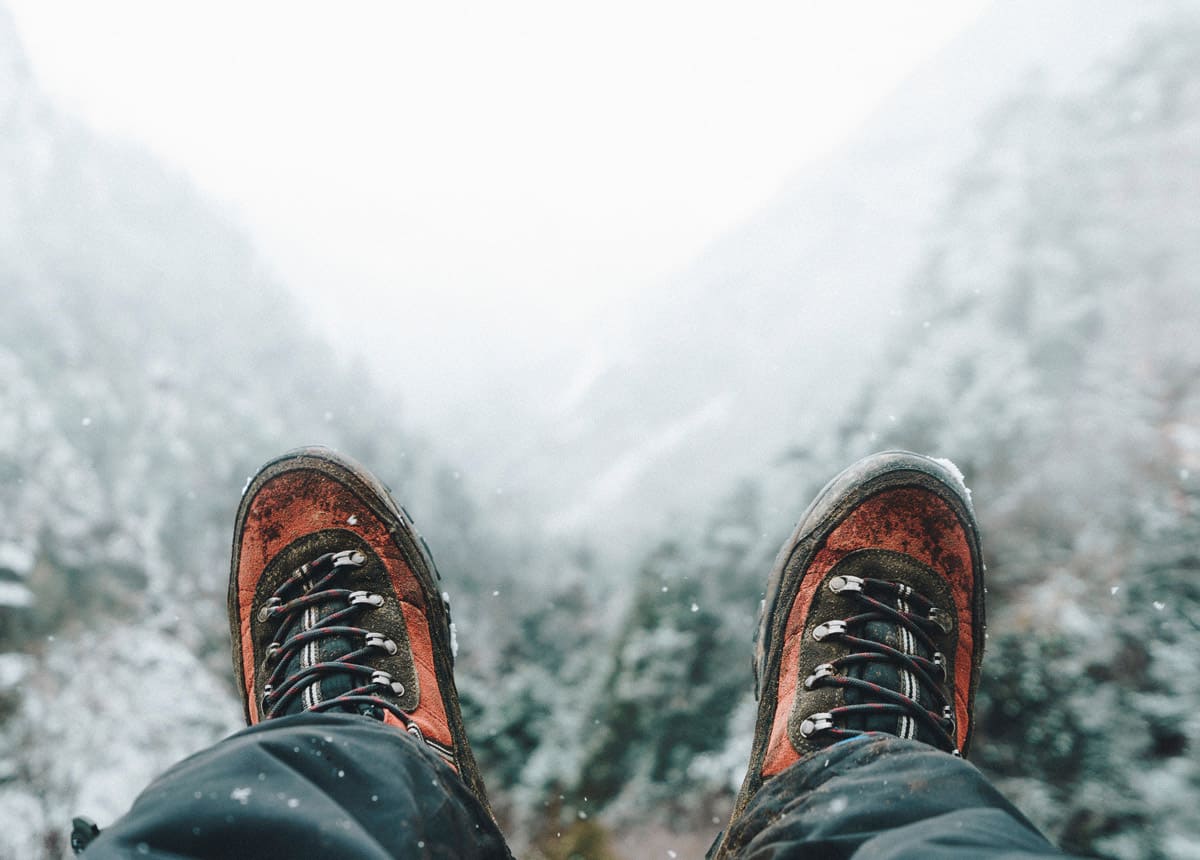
<point x="459" y="190"/>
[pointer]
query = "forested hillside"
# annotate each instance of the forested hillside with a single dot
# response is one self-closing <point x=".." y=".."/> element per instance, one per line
<point x="1048" y="346"/>
<point x="1053" y="354"/>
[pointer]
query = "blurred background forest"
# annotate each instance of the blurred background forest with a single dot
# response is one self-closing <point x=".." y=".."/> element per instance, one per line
<point x="999" y="268"/>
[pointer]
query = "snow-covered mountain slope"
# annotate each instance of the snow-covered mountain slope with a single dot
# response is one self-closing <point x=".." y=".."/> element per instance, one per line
<point x="148" y="364"/>
<point x="763" y="340"/>
<point x="1050" y="352"/>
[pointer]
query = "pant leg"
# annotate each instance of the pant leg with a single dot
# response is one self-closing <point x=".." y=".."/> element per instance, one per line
<point x="312" y="786"/>
<point x="883" y="798"/>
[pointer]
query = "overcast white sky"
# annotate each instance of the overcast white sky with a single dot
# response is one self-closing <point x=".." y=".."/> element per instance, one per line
<point x="490" y="173"/>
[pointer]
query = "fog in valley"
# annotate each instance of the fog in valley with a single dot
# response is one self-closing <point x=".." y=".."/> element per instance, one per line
<point x="605" y="296"/>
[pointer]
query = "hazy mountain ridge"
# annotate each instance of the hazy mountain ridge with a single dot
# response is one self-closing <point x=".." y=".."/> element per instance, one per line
<point x="755" y="345"/>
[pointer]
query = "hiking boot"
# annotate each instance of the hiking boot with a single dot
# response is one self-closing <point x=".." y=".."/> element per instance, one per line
<point x="334" y="606"/>
<point x="873" y="618"/>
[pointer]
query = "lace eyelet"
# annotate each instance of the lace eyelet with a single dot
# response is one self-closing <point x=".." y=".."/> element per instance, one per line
<point x="845" y="583"/>
<point x="361" y="598"/>
<point x="816" y="723"/>
<point x="351" y="557"/>
<point x="384" y="679"/>
<point x="944" y="620"/>
<point x="378" y="640"/>
<point x="825" y="670"/>
<point x="828" y="628"/>
<point x="268" y="608"/>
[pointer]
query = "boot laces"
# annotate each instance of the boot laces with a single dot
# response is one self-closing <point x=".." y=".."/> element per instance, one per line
<point x="294" y="606"/>
<point x="917" y="621"/>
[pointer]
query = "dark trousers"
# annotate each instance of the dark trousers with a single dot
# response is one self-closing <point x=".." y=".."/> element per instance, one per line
<point x="341" y="786"/>
<point x="876" y="797"/>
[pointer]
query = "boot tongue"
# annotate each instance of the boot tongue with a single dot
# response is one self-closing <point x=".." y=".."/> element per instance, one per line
<point x="893" y="676"/>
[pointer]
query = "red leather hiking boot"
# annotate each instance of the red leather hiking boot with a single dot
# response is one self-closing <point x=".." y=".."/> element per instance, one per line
<point x="334" y="606"/>
<point x="873" y="619"/>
